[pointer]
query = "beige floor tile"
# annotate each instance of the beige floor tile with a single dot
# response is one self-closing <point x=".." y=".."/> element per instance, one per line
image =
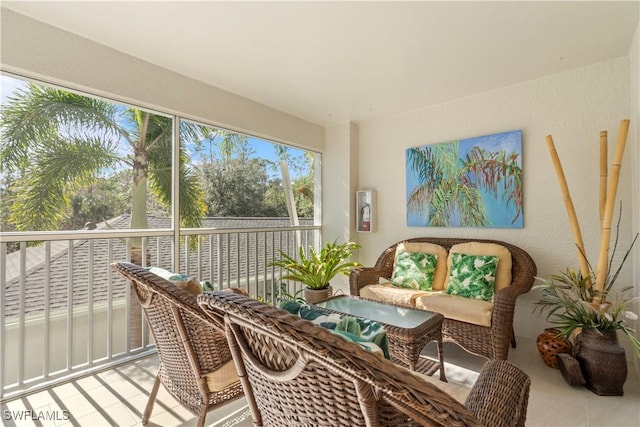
<point x="78" y="406"/>
<point x="135" y="405"/>
<point x="62" y="415"/>
<point x="97" y="419"/>
<point x="553" y="402"/>
<point x="139" y="372"/>
<point x="173" y="419"/>
<point x="63" y="391"/>
<point x="548" y="410"/>
<point x="38" y="400"/>
<point x="621" y="411"/>
<point x="120" y="395"/>
<point x="88" y="383"/>
<point x="229" y="410"/>
<point x="119" y="415"/>
<point x="124" y="387"/>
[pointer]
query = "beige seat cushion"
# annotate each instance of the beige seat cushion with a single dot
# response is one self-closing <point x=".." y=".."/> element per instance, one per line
<point x="189" y="284"/>
<point x="222" y="378"/>
<point x="386" y="292"/>
<point x="472" y="311"/>
<point x="503" y="272"/>
<point x="192" y="286"/>
<point x="430" y="248"/>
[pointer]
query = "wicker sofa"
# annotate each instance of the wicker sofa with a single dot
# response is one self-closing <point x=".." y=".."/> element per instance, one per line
<point x="483" y="328"/>
<point x="297" y="373"/>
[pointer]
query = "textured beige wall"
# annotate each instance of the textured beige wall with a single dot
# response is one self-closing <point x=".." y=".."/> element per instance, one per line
<point x="339" y="184"/>
<point x="339" y="178"/>
<point x="573" y="107"/>
<point x="634" y="141"/>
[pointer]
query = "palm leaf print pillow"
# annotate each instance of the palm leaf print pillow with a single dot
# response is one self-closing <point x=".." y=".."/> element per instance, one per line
<point x="367" y="333"/>
<point x="472" y="276"/>
<point x="414" y="270"/>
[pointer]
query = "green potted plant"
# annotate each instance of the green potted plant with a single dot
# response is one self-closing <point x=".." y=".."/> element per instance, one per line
<point x="573" y="305"/>
<point x="316" y="269"/>
<point x="591" y="319"/>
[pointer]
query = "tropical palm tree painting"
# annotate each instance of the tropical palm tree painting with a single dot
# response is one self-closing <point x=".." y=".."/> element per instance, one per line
<point x="474" y="182"/>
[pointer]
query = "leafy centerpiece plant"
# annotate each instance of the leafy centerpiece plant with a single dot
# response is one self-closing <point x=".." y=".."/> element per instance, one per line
<point x="316" y="269"/>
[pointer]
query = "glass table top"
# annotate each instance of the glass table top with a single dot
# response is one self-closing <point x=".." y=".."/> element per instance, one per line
<point x="394" y="315"/>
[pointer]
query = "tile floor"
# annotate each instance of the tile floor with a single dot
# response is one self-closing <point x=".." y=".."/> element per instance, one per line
<point x="118" y="396"/>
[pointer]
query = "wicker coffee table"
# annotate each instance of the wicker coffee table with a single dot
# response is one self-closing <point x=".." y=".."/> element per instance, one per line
<point x="408" y="330"/>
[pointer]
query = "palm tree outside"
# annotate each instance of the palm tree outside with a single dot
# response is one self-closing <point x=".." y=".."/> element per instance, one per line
<point x="58" y="142"/>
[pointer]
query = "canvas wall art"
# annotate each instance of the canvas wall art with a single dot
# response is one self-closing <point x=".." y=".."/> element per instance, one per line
<point x="474" y="182"/>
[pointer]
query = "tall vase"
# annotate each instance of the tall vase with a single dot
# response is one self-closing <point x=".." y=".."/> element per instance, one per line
<point x="602" y="361"/>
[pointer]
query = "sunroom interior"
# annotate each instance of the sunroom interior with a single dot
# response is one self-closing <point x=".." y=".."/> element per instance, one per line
<point x="360" y="83"/>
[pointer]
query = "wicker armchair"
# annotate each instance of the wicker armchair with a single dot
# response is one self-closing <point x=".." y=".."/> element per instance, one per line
<point x="191" y="346"/>
<point x="296" y="373"/>
<point x="491" y="342"/>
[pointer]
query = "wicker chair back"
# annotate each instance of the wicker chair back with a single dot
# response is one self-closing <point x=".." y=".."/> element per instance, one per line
<point x="296" y="373"/>
<point x="190" y="343"/>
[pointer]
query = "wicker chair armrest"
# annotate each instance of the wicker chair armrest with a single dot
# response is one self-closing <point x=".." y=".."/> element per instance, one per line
<point x="523" y="276"/>
<point x="505" y="298"/>
<point x="500" y="396"/>
<point x="206" y="332"/>
<point x="522" y="283"/>
<point x="361" y="277"/>
<point x="504" y="305"/>
<point x="523" y="270"/>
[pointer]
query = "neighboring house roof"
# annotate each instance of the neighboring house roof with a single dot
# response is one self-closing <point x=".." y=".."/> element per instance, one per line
<point x="229" y="257"/>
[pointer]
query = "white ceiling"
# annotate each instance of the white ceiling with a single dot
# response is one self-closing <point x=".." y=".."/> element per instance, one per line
<point x="331" y="62"/>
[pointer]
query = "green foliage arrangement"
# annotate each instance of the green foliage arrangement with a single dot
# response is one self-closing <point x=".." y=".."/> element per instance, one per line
<point x="572" y="303"/>
<point x="316" y="269"/>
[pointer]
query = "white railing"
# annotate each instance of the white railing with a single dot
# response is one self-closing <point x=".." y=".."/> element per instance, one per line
<point x="65" y="313"/>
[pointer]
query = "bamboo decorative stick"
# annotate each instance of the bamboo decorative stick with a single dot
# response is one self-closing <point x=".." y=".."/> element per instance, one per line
<point x="573" y="219"/>
<point x="605" y="232"/>
<point x="603" y="173"/>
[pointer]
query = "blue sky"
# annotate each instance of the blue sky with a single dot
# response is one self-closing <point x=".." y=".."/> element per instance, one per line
<point x="9" y="85"/>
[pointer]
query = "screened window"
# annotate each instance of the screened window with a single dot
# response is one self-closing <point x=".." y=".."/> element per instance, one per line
<point x="71" y="161"/>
